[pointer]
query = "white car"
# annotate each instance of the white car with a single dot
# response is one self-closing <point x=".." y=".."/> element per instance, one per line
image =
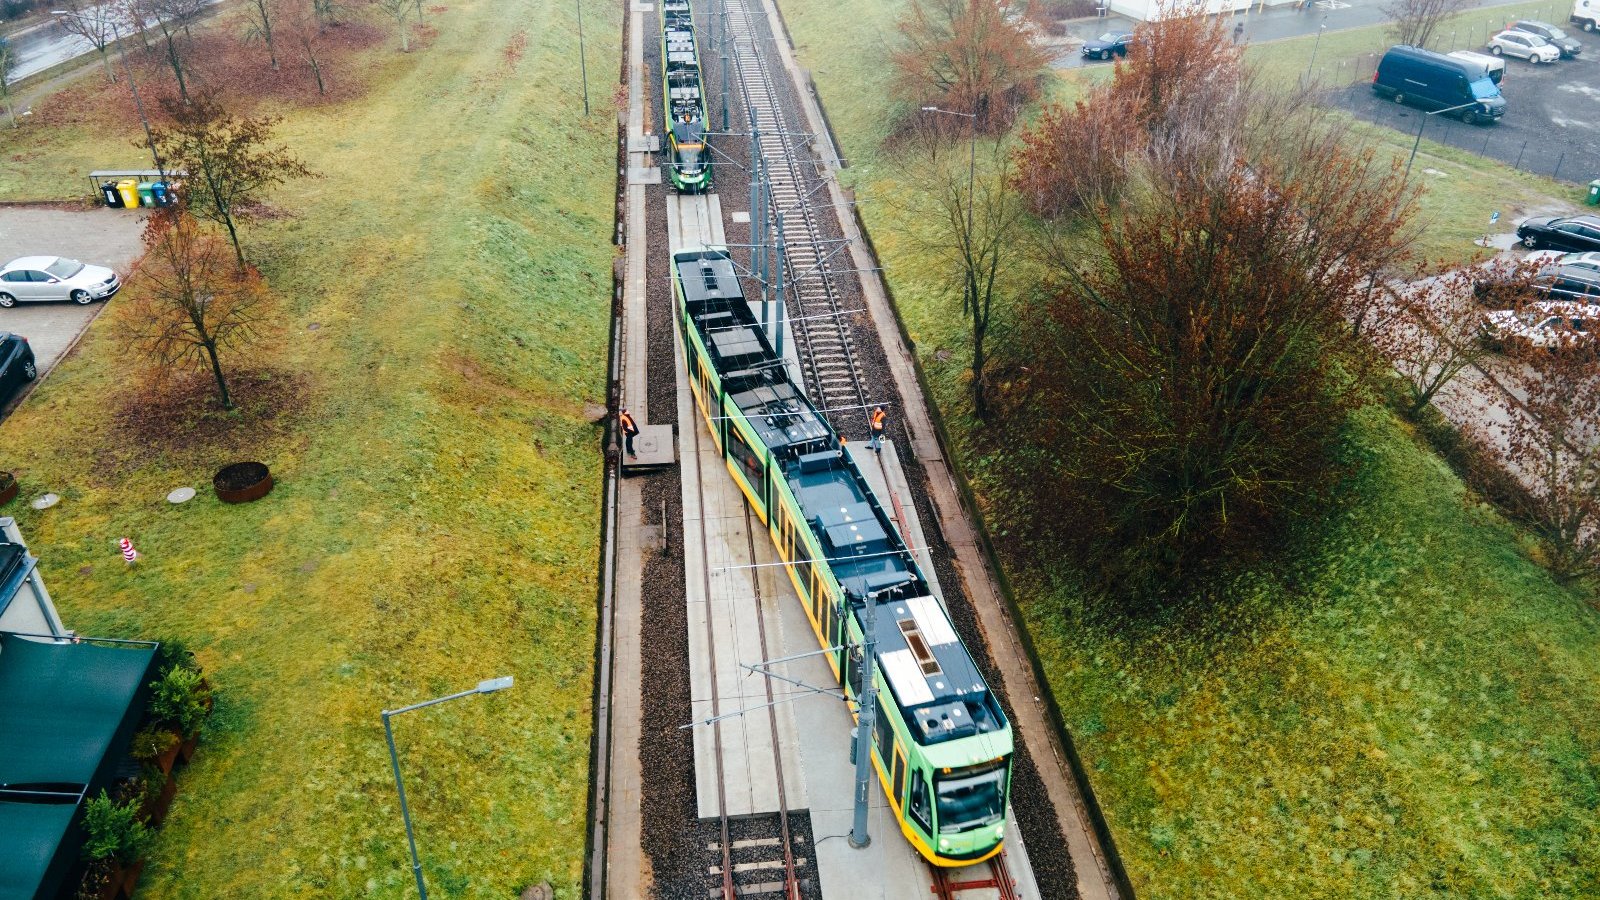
<point x="1542" y="325"/>
<point x="55" y="278"/>
<point x="1589" y="260"/>
<point x="1530" y="47"/>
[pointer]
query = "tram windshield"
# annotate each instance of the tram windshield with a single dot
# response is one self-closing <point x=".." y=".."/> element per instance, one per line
<point x="689" y="158"/>
<point x="972" y="797"/>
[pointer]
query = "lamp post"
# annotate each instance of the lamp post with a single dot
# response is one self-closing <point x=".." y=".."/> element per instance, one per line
<point x="583" y="61"/>
<point x="484" y="687"/>
<point x="1423" y="123"/>
<point x="137" y="103"/>
<point x="1315" y="44"/>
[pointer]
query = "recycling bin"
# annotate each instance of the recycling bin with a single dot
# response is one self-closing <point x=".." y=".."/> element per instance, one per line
<point x="147" y="193"/>
<point x="163" y="193"/>
<point x="108" y="190"/>
<point x="1594" y="192"/>
<point x="129" y="189"/>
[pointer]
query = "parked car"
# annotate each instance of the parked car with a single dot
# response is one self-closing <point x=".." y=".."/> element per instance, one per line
<point x="55" y="278"/>
<point x="1543" y="325"/>
<point x="1435" y="81"/>
<point x="1104" y="46"/>
<point x="1569" y="46"/>
<point x="1494" y="65"/>
<point x="1590" y="261"/>
<point x="1575" y="233"/>
<point x="17" y="367"/>
<point x="1530" y="47"/>
<point x="1552" y="282"/>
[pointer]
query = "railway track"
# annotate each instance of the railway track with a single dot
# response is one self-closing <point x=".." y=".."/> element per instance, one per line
<point x="754" y="856"/>
<point x="947" y="885"/>
<point x="815" y="310"/>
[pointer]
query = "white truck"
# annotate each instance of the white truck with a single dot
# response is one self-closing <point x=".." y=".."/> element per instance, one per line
<point x="1586" y="14"/>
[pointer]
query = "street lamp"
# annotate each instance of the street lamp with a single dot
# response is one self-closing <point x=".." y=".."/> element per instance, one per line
<point x="484" y="687"/>
<point x="1314" y="45"/>
<point x="137" y="103"/>
<point x="1423" y="123"/>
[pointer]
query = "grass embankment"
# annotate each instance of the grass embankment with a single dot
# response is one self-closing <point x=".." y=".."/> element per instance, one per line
<point x="1404" y="711"/>
<point x="436" y="517"/>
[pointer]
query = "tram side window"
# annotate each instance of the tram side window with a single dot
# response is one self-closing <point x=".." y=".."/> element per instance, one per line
<point x="919" y="801"/>
<point x="749" y="461"/>
<point x="801" y="563"/>
<point x="884" y="733"/>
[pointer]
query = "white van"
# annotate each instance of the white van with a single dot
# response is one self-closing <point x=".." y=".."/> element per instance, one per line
<point x="1495" y="65"/>
<point x="1586" y="14"/>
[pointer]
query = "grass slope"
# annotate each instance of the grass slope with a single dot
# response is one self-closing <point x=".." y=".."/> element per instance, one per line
<point x="436" y="518"/>
<point x="1407" y="713"/>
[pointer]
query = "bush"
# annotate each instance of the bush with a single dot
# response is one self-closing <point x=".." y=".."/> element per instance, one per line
<point x="172" y="653"/>
<point x="114" y="830"/>
<point x="179" y="700"/>
<point x="151" y="742"/>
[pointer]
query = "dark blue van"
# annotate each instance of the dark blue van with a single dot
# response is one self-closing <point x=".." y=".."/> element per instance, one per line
<point x="1433" y="81"/>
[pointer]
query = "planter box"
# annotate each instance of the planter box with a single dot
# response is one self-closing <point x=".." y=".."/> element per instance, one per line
<point x="168" y="758"/>
<point x="155" y="810"/>
<point x="187" y="748"/>
<point x="124" y="879"/>
<point x="242" y="482"/>
<point x="9" y="493"/>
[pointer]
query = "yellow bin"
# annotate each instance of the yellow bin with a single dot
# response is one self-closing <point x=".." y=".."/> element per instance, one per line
<point x="129" y="189"/>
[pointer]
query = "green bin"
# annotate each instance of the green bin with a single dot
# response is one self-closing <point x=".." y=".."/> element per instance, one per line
<point x="1594" y="192"/>
<point x="147" y="193"/>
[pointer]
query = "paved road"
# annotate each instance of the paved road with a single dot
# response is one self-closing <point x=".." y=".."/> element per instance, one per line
<point x="48" y="44"/>
<point x="1551" y="125"/>
<point x="106" y="237"/>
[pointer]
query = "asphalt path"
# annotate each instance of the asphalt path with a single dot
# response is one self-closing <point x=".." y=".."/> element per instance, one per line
<point x="49" y="44"/>
<point x="1551" y="125"/>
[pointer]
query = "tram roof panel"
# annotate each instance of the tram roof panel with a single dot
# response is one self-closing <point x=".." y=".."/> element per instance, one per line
<point x="939" y="688"/>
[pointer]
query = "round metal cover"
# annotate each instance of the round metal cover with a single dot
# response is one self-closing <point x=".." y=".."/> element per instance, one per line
<point x="46" y="501"/>
<point x="181" y="495"/>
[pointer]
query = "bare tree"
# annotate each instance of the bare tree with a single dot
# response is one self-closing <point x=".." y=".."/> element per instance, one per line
<point x="8" y="61"/>
<point x="1554" y="443"/>
<point x="172" y="17"/>
<point x="229" y="161"/>
<point x="263" y="15"/>
<point x="1413" y="21"/>
<point x="190" y="303"/>
<point x="1434" y="336"/>
<point x="95" y="22"/>
<point x="399" y="11"/>
<point x="971" y="56"/>
<point x="305" y="32"/>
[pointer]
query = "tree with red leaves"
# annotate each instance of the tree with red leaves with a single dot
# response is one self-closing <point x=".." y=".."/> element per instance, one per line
<point x="969" y="56"/>
<point x="227" y="158"/>
<point x="1187" y="382"/>
<point x="189" y="303"/>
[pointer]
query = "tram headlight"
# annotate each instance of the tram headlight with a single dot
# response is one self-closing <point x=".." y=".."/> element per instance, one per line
<point x="944" y="843"/>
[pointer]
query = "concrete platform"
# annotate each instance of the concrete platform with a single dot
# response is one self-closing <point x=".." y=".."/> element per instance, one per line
<point x="694" y="220"/>
<point x="654" y="448"/>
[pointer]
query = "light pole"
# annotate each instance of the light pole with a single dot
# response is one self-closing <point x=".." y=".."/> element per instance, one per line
<point x="1423" y="123"/>
<point x="137" y="103"/>
<point x="583" y="61"/>
<point x="484" y="687"/>
<point x="1314" y="45"/>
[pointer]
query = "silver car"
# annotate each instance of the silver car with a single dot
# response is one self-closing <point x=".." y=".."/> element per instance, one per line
<point x="55" y="278"/>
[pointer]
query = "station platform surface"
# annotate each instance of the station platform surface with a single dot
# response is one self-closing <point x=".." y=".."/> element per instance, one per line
<point x="653" y="449"/>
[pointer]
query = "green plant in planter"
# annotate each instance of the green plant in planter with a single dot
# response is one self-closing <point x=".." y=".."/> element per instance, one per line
<point x="115" y="832"/>
<point x="173" y="653"/>
<point x="179" y="700"/>
<point x="152" y="741"/>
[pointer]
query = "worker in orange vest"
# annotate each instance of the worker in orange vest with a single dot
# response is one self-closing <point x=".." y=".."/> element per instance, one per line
<point x="629" y="429"/>
<point x="877" y="420"/>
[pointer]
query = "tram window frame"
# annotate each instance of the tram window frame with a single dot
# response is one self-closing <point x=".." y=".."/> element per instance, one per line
<point x="800" y="558"/>
<point x="898" y="773"/>
<point x="883" y="734"/>
<point x="920" y="804"/>
<point x="751" y="464"/>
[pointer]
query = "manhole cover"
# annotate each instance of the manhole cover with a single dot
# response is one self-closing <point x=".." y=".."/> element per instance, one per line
<point x="181" y="495"/>
<point x="45" y="502"/>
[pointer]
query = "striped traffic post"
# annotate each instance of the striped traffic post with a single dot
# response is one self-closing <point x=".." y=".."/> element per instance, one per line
<point x="128" y="553"/>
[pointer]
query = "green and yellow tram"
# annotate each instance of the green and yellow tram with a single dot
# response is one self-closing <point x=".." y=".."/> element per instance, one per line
<point x="942" y="746"/>
<point x="683" y="98"/>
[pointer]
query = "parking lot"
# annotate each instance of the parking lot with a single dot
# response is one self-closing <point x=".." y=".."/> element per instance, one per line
<point x="1551" y="125"/>
<point x="106" y="237"/>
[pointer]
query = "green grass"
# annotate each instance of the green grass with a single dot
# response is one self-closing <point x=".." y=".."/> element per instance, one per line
<point x="1405" y="711"/>
<point x="436" y="517"/>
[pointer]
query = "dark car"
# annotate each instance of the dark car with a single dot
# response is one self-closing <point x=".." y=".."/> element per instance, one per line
<point x="1104" y="46"/>
<point x="16" y="364"/>
<point x="1556" y="282"/>
<point x="1566" y="43"/>
<point x="1557" y="233"/>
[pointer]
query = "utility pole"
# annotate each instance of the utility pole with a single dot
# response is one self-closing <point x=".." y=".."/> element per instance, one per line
<point x="777" y="321"/>
<point x="583" y="62"/>
<point x="865" y="721"/>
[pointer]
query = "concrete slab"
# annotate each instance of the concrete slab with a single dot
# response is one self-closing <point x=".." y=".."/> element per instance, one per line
<point x="645" y="143"/>
<point x="654" y="448"/>
<point x="644" y="175"/>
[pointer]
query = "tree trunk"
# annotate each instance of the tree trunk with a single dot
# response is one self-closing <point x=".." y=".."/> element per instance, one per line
<point x="105" y="60"/>
<point x="216" y="372"/>
<point x="316" y="71"/>
<point x="980" y="399"/>
<point x="233" y="235"/>
<point x="177" y="65"/>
